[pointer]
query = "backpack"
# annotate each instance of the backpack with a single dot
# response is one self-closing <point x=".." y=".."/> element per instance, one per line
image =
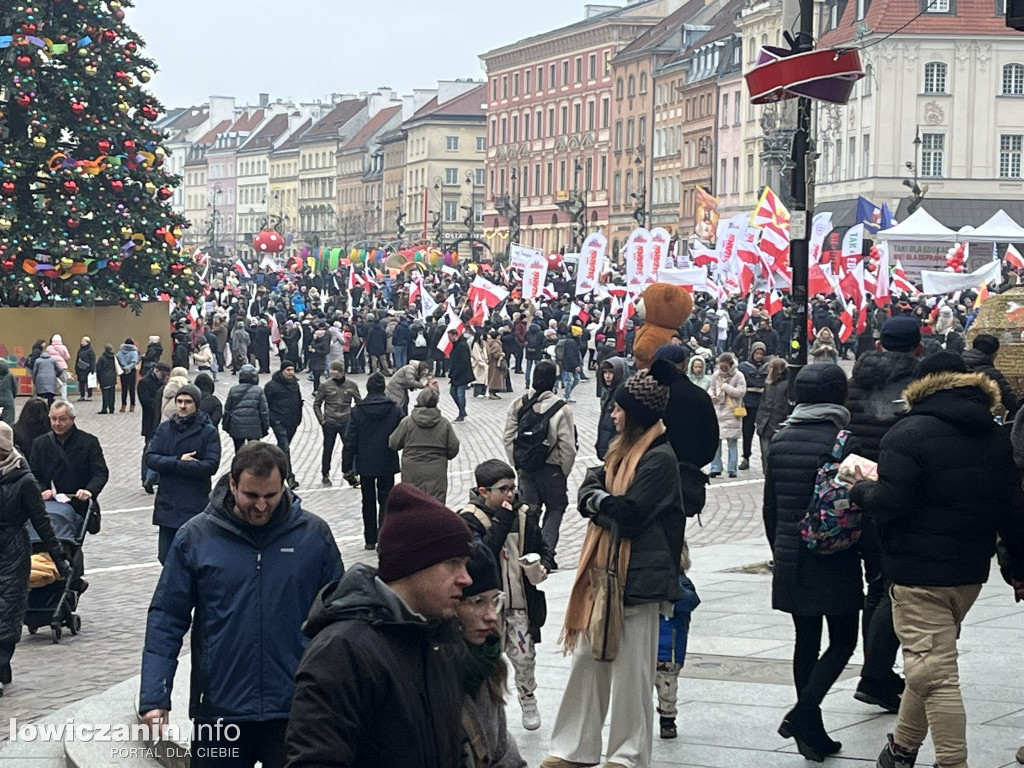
<point x="420" y="340"/>
<point x="559" y="351"/>
<point x="531" y="446"/>
<point x="831" y="523"/>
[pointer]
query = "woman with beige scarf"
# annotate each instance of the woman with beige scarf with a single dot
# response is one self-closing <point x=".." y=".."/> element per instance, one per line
<point x="628" y="566"/>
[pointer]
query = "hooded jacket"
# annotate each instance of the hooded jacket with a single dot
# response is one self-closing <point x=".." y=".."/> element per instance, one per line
<point x="148" y="388"/>
<point x="774" y="407"/>
<point x="128" y="357"/>
<point x="46" y="374"/>
<point x="333" y="401"/>
<point x="754" y="374"/>
<point x="428" y="442"/>
<point x="59" y="352"/>
<point x="210" y="404"/>
<point x="250" y="588"/>
<point x="605" y="426"/>
<point x="246" y="413"/>
<point x="184" y="485"/>
<point x="8" y="391"/>
<point x="979" y="362"/>
<point x="946" y="484"/>
<point x="378" y="685"/>
<point x="369" y="427"/>
<point x="727" y="391"/>
<point x="561" y="430"/>
<point x="106" y="373"/>
<point x="875" y="397"/>
<point x="167" y="395"/>
<point x="152" y="356"/>
<point x="703" y="380"/>
<point x="285" y="401"/>
<point x="691" y="427"/>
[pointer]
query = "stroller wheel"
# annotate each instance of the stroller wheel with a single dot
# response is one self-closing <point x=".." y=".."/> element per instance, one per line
<point x="76" y="624"/>
<point x="55" y="631"/>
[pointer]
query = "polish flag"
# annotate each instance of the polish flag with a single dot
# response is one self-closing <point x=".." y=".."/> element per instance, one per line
<point x="240" y="269"/>
<point x="480" y="312"/>
<point x="454" y="324"/>
<point x="575" y="310"/>
<point x="773" y="303"/>
<point x="846" y="318"/>
<point x="749" y="311"/>
<point x="491" y="294"/>
<point x="549" y="292"/>
<point x="628" y="310"/>
<point x="900" y="281"/>
<point x="415" y="290"/>
<point x="1013" y="257"/>
<point x="882" y="292"/>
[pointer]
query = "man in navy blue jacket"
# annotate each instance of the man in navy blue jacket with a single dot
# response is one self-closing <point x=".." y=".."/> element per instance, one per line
<point x="248" y="570"/>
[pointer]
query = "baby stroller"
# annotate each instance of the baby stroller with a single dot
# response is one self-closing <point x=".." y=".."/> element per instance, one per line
<point x="55" y="603"/>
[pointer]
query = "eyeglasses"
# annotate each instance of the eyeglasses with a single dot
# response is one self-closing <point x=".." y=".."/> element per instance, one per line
<point x="503" y="488"/>
<point x="480" y="603"/>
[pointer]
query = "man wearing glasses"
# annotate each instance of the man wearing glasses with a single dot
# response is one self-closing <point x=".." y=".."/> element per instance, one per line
<point x="504" y="527"/>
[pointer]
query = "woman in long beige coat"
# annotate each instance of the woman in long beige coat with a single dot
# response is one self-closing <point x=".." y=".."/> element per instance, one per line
<point x="495" y="372"/>
<point x="727" y="390"/>
<point x="428" y="442"/>
<point x="478" y="355"/>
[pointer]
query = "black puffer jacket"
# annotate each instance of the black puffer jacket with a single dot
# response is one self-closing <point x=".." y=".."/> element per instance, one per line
<point x="369" y="427"/>
<point x="20" y="501"/>
<point x="946" y="484"/>
<point x="774" y="407"/>
<point x="805" y="583"/>
<point x="285" y="400"/>
<point x="651" y="515"/>
<point x="979" y="362"/>
<point x="401" y="708"/>
<point x="246" y="413"/>
<point x="875" y="397"/>
<point x="692" y="429"/>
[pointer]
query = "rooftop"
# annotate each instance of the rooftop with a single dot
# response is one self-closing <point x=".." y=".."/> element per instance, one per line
<point x="335" y="120"/>
<point x="469" y="104"/>
<point x="970" y="18"/>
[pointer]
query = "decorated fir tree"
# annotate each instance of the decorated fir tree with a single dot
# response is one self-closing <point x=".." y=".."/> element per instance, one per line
<point x="84" y="212"/>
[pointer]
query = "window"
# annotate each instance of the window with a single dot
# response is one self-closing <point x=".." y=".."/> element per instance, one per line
<point x="736" y="175"/>
<point x="551" y="78"/>
<point x="868" y="81"/>
<point x="565" y="72"/>
<point x="750" y="173"/>
<point x="1010" y="151"/>
<point x="629" y="134"/>
<point x="504" y="130"/>
<point x="551" y="121"/>
<point x="536" y="179"/>
<point x="592" y="67"/>
<point x="606" y="112"/>
<point x="608" y="62"/>
<point x="862" y="8"/>
<point x="723" y="177"/>
<point x="577" y="117"/>
<point x="617" y="188"/>
<point x="515" y="127"/>
<point x="451" y="143"/>
<point x="618" y="136"/>
<point x="550" y="175"/>
<point x="1013" y="80"/>
<point x="643" y="82"/>
<point x="478" y="212"/>
<point x="478" y="177"/>
<point x="451" y="175"/>
<point x="641" y="132"/>
<point x="604" y="172"/>
<point x="561" y="175"/>
<point x="865" y="153"/>
<point x="579" y="69"/>
<point x="540" y="124"/>
<point x="725" y="109"/>
<point x="494" y="89"/>
<point x="937" y="6"/>
<point x="736" y="108"/>
<point x="932" y="145"/>
<point x="451" y="210"/>
<point x="590" y="115"/>
<point x="618" y="88"/>
<point x="481" y="143"/>
<point x="629" y="185"/>
<point x="839" y="160"/>
<point x="565" y="119"/>
<point x="934" y="77"/>
<point x="504" y="86"/>
<point x="631" y="88"/>
<point x="526" y="81"/>
<point x="526" y="179"/>
<point x="852" y="165"/>
<point x="526" y="126"/>
<point x="540" y="79"/>
<point x="515" y="84"/>
<point x="494" y="132"/>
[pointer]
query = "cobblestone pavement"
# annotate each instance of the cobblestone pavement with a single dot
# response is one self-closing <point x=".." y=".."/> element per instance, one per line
<point x="121" y="561"/>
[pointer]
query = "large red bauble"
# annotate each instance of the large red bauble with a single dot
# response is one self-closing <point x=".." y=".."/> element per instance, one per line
<point x="129" y="144"/>
<point x="114" y="265"/>
<point x="7" y="187"/>
<point x="109" y="35"/>
<point x="23" y="61"/>
<point x="117" y="185"/>
<point x="23" y="100"/>
<point x="164" y="193"/>
<point x="103" y="146"/>
<point x="176" y="268"/>
<point x="70" y="186"/>
<point x="78" y="109"/>
<point x="7" y="264"/>
<point x="73" y="223"/>
<point x="29" y="28"/>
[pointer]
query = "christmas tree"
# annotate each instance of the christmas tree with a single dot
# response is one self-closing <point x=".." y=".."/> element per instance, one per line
<point x="84" y="212"/>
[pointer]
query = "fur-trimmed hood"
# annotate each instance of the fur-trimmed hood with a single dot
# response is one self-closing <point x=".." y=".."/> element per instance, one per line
<point x="965" y="400"/>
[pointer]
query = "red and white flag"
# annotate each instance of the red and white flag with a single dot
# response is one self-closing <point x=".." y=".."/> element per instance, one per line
<point x="773" y="303"/>
<point x="575" y="310"/>
<point x="549" y="292"/>
<point x="491" y="294"/>
<point x="1013" y="257"/>
<point x="846" y="320"/>
<point x="480" y="312"/>
<point x="240" y="268"/>
<point x="628" y="310"/>
<point x="882" y="292"/>
<point x="454" y="324"/>
<point x="749" y="311"/>
<point x="416" y="289"/>
<point x="770" y="211"/>
<point x="900" y="281"/>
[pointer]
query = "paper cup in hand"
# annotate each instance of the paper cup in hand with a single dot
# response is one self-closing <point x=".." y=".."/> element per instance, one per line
<point x="532" y="568"/>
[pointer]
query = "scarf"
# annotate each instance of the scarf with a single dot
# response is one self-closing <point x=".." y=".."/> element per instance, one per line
<point x="478" y="663"/>
<point x="810" y="412"/>
<point x="598" y="543"/>
<point x="13" y="461"/>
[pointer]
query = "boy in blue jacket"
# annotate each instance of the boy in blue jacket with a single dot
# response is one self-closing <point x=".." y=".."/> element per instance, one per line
<point x="674" y="631"/>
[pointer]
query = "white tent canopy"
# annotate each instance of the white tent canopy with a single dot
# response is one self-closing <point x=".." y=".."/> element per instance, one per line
<point x="919" y="227"/>
<point x="999" y="229"/>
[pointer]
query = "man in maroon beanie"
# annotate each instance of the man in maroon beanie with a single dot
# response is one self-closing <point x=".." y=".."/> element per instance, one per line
<point x="380" y="683"/>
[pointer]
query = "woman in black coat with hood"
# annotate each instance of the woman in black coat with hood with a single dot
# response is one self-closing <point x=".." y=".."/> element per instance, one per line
<point x="812" y="588"/>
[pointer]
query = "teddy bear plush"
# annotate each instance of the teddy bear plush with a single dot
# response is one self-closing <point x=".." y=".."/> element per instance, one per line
<point x="666" y="307"/>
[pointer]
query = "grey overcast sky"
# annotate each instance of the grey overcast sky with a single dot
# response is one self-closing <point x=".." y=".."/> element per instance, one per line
<point x="306" y="49"/>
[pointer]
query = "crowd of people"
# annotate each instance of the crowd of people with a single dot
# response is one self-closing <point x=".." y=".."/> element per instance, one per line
<point x="318" y="664"/>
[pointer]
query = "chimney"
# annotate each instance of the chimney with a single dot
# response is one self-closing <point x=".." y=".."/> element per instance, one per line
<point x="264" y="99"/>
